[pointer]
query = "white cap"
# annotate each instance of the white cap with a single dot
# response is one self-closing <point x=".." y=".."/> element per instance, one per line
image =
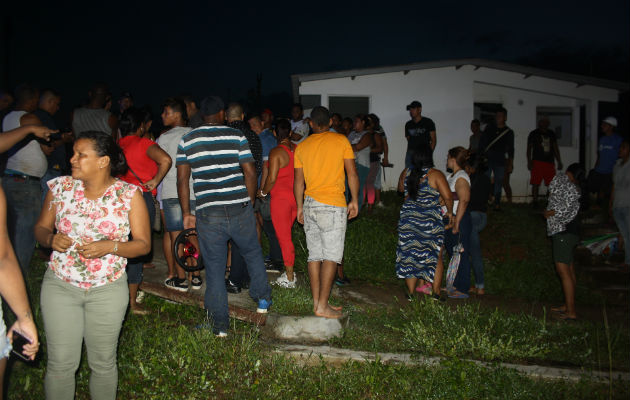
<point x="612" y="121"/>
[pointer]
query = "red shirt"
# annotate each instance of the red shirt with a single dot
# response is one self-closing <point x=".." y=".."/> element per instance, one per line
<point x="135" y="149"/>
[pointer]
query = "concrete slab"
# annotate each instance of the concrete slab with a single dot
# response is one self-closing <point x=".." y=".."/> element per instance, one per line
<point x="309" y="328"/>
<point x="314" y="354"/>
<point x="242" y="307"/>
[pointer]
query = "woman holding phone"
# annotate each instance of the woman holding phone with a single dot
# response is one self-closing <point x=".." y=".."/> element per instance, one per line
<point x="84" y="293"/>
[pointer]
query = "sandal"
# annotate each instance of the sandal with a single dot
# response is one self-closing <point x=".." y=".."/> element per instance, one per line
<point x="456" y="294"/>
<point x="426" y="288"/>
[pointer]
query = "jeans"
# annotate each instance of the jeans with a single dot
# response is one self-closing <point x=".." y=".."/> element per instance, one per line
<point x="50" y="174"/>
<point x="73" y="315"/>
<point x="215" y="226"/>
<point x="622" y="218"/>
<point x="479" y="221"/>
<point x="462" y="279"/>
<point x="24" y="204"/>
<point x="134" y="265"/>
<point x="498" y="168"/>
<point x="238" y="269"/>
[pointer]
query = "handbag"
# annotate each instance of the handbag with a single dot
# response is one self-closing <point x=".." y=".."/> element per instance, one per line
<point x="453" y="265"/>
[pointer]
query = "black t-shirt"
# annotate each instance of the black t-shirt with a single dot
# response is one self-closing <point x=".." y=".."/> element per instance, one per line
<point x="542" y="143"/>
<point x="419" y="132"/>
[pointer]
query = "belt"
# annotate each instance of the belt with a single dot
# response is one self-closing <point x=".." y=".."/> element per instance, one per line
<point x="20" y="178"/>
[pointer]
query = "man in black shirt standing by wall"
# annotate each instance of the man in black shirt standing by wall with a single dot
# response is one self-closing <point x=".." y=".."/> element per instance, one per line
<point x="542" y="149"/>
<point x="498" y="142"/>
<point x="418" y="130"/>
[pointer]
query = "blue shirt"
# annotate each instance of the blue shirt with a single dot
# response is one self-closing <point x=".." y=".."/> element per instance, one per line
<point x="268" y="141"/>
<point x="608" y="153"/>
<point x="215" y="155"/>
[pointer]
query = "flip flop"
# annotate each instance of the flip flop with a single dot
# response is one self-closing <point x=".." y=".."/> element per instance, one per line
<point x="456" y="294"/>
<point x="426" y="288"/>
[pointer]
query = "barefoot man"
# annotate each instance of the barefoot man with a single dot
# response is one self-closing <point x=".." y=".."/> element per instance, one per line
<point x="320" y="161"/>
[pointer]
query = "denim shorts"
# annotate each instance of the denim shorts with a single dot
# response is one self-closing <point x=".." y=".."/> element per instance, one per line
<point x="173" y="218"/>
<point x="325" y="229"/>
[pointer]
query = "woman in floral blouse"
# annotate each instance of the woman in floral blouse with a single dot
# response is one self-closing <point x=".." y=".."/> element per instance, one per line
<point x="562" y="226"/>
<point x="84" y="293"/>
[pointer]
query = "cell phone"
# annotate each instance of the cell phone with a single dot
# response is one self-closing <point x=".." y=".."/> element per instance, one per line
<point x="19" y="341"/>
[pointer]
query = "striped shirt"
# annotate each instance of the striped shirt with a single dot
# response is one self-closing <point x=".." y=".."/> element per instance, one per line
<point x="215" y="155"/>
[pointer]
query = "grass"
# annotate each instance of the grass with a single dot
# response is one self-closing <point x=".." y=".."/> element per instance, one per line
<point x="162" y="356"/>
<point x="518" y="265"/>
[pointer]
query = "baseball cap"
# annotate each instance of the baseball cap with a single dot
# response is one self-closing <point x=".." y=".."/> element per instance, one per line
<point x="612" y="121"/>
<point x="414" y="104"/>
<point x="266" y="111"/>
<point x="211" y="105"/>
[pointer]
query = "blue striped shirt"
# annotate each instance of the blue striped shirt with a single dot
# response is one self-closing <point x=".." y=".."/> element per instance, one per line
<point x="215" y="155"/>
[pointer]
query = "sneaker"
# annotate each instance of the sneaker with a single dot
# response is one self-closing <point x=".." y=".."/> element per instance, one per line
<point x="232" y="287"/>
<point x="139" y="296"/>
<point x="181" y="285"/>
<point x="263" y="306"/>
<point x="196" y="282"/>
<point x="284" y="282"/>
<point x="380" y="204"/>
<point x="221" y="334"/>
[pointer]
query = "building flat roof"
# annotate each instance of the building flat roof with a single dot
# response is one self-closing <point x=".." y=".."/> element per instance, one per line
<point x="579" y="80"/>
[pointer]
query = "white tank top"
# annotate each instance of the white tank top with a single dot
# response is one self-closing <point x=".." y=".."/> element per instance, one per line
<point x="30" y="159"/>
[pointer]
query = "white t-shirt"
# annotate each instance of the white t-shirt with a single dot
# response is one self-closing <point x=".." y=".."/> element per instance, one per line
<point x="30" y="159"/>
<point x="169" y="141"/>
<point x="362" y="156"/>
<point x="452" y="180"/>
<point x="301" y="128"/>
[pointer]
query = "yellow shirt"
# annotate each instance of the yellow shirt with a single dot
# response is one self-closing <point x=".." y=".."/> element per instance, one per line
<point x="321" y="156"/>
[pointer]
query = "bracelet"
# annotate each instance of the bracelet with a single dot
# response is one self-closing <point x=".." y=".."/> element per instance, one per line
<point x="115" y="247"/>
<point x="262" y="194"/>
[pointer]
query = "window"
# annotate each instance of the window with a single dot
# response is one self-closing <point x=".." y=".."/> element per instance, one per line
<point x="310" y="101"/>
<point x="349" y="106"/>
<point x="485" y="112"/>
<point x="560" y="121"/>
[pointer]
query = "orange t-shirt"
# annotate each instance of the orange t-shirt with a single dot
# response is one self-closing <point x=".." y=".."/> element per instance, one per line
<point x="321" y="157"/>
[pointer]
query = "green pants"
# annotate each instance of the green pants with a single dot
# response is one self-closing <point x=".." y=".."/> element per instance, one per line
<point x="72" y="315"/>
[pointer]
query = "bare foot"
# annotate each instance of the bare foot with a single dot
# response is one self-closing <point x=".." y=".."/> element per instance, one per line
<point x="328" y="313"/>
<point x="480" y="292"/>
<point x="559" y="309"/>
<point x="567" y="317"/>
<point x="335" y="308"/>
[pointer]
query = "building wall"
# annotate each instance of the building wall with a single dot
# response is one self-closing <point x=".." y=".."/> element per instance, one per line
<point x="448" y="96"/>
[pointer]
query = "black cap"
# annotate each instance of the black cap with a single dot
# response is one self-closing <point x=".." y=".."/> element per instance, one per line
<point x="211" y="105"/>
<point x="414" y="104"/>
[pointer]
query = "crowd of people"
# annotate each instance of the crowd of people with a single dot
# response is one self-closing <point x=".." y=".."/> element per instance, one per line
<point x="92" y="195"/>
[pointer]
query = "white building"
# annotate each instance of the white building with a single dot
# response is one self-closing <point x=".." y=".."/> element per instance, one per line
<point x="453" y="92"/>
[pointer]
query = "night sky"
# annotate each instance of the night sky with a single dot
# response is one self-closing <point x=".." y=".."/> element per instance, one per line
<point x="162" y="48"/>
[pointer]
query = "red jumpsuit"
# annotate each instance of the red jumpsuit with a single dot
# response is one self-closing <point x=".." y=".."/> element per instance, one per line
<point x="284" y="209"/>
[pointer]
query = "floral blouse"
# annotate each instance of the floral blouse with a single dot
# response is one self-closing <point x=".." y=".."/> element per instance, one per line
<point x="86" y="221"/>
<point x="564" y="199"/>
